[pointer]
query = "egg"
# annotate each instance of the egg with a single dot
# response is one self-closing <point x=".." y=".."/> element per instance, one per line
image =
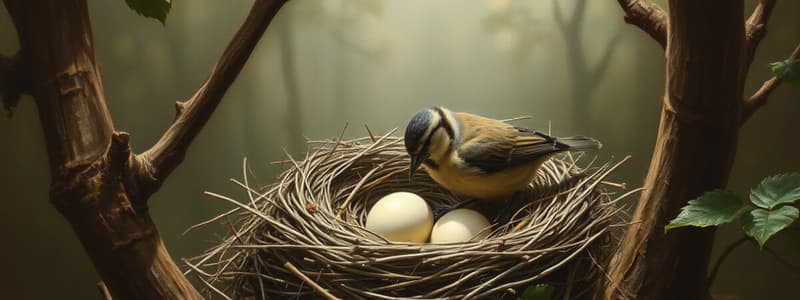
<point x="460" y="225"/>
<point x="401" y="217"/>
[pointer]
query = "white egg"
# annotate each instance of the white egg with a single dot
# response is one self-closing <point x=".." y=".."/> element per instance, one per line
<point x="460" y="225"/>
<point x="401" y="217"/>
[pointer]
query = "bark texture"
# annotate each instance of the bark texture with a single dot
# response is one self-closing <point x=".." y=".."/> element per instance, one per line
<point x="694" y="152"/>
<point x="89" y="185"/>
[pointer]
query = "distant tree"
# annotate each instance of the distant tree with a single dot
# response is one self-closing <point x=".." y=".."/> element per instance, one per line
<point x="341" y="24"/>
<point x="516" y="31"/>
<point x="513" y="23"/>
<point x="584" y="76"/>
<point x="514" y="27"/>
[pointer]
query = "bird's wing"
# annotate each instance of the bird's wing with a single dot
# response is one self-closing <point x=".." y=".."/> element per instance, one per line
<point x="498" y="145"/>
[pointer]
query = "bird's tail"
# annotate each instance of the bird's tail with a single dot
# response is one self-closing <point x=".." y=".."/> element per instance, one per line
<point x="579" y="143"/>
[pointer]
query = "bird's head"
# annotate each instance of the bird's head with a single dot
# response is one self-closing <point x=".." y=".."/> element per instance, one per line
<point x="429" y="135"/>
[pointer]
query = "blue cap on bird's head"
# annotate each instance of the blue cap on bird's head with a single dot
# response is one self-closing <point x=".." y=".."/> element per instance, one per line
<point x="416" y="130"/>
<point x="419" y="127"/>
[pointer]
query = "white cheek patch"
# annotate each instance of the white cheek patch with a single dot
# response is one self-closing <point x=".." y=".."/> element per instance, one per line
<point x="435" y="119"/>
<point x="451" y="119"/>
<point x="440" y="143"/>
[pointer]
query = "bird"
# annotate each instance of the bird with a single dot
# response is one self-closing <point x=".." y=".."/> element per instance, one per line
<point x="480" y="157"/>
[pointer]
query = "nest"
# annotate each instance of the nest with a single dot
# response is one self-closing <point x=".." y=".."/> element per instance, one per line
<point x="304" y="236"/>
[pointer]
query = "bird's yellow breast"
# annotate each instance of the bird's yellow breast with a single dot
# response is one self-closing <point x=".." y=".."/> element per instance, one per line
<point x="488" y="186"/>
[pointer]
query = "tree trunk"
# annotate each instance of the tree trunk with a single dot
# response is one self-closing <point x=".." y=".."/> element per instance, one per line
<point x="694" y="152"/>
<point x="99" y="186"/>
<point x="87" y="179"/>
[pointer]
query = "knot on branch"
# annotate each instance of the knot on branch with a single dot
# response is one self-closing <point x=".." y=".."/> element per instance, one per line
<point x="133" y="171"/>
<point x="69" y="82"/>
<point x="14" y="80"/>
<point x="179" y="108"/>
<point x="81" y="183"/>
<point x="105" y="191"/>
<point x="119" y="152"/>
<point x="755" y="32"/>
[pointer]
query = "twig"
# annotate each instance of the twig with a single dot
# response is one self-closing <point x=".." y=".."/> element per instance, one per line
<point x="206" y="283"/>
<point x="104" y="290"/>
<point x="623" y="294"/>
<point x="244" y="177"/>
<point x="760" y="97"/>
<point x="517" y="119"/>
<point x="191" y="115"/>
<point x="349" y="261"/>
<point x="782" y="260"/>
<point x="615" y="184"/>
<point x="648" y="16"/>
<point x="289" y="266"/>
<point x="338" y="141"/>
<point x="722" y="257"/>
<point x="756" y="26"/>
<point x="371" y="136"/>
<point x="358" y="186"/>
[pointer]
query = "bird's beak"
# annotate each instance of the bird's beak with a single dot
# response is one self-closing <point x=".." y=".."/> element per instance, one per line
<point x="416" y="161"/>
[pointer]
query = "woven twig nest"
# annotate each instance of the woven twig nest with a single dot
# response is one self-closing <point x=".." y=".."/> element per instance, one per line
<point x="304" y="235"/>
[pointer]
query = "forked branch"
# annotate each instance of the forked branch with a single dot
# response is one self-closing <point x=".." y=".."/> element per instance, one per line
<point x="602" y="65"/>
<point x="760" y="97"/>
<point x="192" y="115"/>
<point x="648" y="16"/>
<point x="575" y="21"/>
<point x="756" y="26"/>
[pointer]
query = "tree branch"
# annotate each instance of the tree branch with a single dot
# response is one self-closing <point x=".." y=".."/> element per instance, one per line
<point x="14" y="79"/>
<point x="703" y="92"/>
<point x="728" y="250"/>
<point x="648" y="17"/>
<point x="89" y="161"/>
<point x="165" y="155"/>
<point x="760" y="97"/>
<point x="756" y="27"/>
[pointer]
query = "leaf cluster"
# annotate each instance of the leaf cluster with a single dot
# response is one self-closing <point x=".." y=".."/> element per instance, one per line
<point x="771" y="208"/>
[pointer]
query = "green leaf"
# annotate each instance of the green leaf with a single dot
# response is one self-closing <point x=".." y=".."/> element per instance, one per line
<point x="710" y="209"/>
<point x="156" y="9"/>
<point x="776" y="190"/>
<point x="761" y="224"/>
<point x="788" y="70"/>
<point x="538" y="292"/>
